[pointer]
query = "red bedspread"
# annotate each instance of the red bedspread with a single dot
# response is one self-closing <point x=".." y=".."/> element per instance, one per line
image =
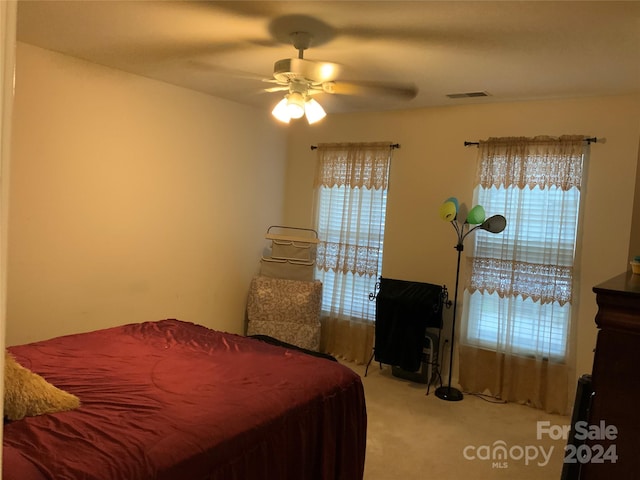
<point x="173" y="400"/>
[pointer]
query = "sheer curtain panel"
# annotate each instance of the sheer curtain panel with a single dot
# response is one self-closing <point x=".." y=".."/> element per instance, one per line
<point x="518" y="329"/>
<point x="351" y="185"/>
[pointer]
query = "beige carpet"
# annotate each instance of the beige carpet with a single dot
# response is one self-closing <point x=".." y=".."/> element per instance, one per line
<point x="412" y="436"/>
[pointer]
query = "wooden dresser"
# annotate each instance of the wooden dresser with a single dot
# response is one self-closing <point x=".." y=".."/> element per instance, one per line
<point x="616" y="381"/>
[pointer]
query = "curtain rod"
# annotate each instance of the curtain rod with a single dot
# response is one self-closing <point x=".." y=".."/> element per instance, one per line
<point x="393" y="145"/>
<point x="589" y="140"/>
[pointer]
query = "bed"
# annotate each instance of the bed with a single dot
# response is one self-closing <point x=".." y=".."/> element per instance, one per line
<point x="175" y="400"/>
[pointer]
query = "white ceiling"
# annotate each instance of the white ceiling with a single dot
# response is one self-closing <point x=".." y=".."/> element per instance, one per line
<point x="515" y="50"/>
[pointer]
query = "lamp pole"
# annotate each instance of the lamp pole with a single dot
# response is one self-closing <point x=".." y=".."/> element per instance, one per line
<point x="450" y="393"/>
<point x="494" y="224"/>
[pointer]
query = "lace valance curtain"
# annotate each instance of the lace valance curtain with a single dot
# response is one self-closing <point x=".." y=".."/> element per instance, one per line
<point x="529" y="162"/>
<point x="534" y="257"/>
<point x="353" y="165"/>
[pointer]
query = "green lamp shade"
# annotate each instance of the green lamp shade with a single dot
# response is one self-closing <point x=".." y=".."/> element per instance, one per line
<point x="448" y="211"/>
<point x="476" y="215"/>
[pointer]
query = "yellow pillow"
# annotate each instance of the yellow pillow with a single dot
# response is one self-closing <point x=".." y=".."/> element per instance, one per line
<point x="27" y="394"/>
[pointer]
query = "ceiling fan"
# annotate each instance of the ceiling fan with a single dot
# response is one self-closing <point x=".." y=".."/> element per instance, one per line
<point x="303" y="78"/>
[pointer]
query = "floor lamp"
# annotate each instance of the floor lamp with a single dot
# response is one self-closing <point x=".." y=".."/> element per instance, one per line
<point x="476" y="216"/>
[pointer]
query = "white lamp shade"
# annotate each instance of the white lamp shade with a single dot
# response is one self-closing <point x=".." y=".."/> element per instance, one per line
<point x="314" y="111"/>
<point x="281" y="112"/>
<point x="295" y="105"/>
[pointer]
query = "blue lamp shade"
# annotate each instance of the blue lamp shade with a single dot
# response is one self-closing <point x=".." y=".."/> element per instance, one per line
<point x="476" y="215"/>
<point x="448" y="211"/>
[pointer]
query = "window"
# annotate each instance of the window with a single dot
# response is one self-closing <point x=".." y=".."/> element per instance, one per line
<point x="360" y="243"/>
<point x="351" y="188"/>
<point x="520" y="290"/>
<point x="539" y="327"/>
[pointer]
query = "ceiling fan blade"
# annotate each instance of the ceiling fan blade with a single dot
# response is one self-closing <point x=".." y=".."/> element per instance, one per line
<point x="209" y="67"/>
<point x="281" y="88"/>
<point x="398" y="90"/>
<point x="276" y="81"/>
<point x="172" y="51"/>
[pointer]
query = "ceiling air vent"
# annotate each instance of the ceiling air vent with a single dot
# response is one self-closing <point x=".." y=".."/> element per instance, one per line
<point x="468" y="95"/>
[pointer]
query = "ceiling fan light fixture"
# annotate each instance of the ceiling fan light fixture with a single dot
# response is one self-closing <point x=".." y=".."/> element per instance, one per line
<point x="328" y="71"/>
<point x="281" y="112"/>
<point x="295" y="105"/>
<point x="314" y="111"/>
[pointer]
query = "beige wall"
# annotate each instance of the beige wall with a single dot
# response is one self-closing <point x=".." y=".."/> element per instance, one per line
<point x="8" y="15"/>
<point x="135" y="200"/>
<point x="432" y="165"/>
<point x="634" y="244"/>
<point x="132" y="200"/>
